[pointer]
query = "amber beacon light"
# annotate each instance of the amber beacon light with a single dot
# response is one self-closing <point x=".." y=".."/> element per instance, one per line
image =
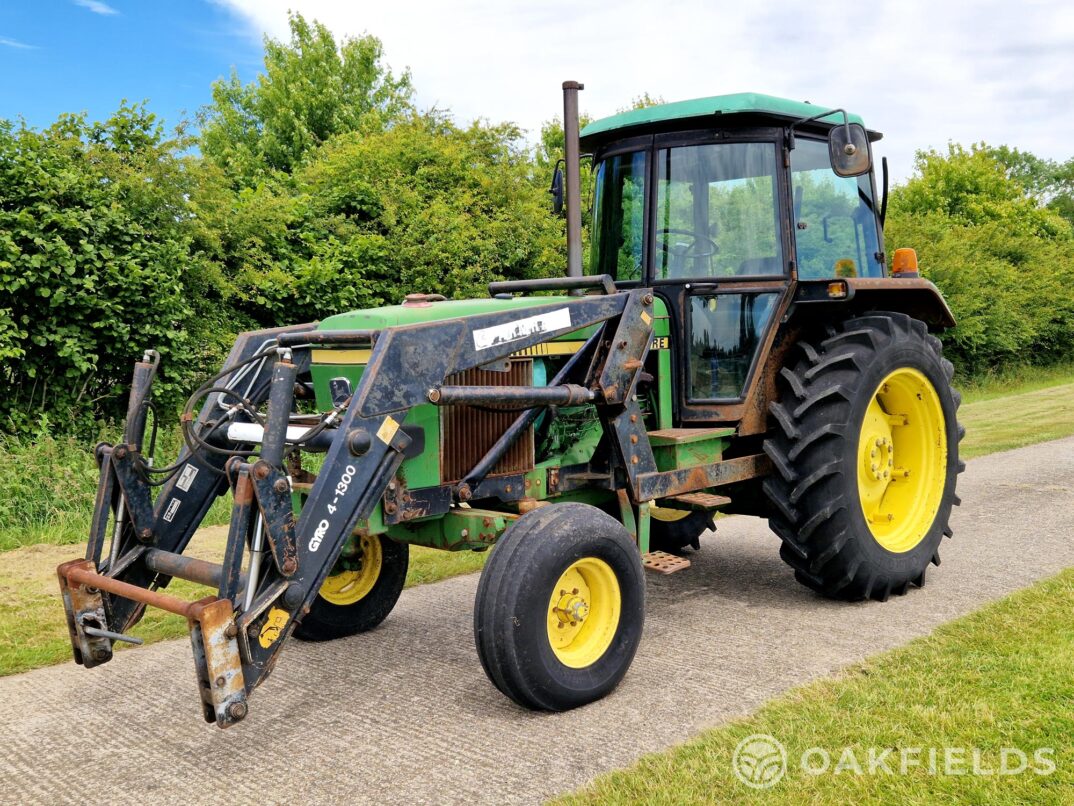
<point x="904" y="263"/>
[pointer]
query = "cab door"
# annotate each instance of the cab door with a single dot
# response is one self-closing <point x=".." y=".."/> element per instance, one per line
<point x="720" y="257"/>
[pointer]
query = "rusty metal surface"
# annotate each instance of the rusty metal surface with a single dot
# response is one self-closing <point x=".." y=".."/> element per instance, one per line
<point x="675" y="482"/>
<point x="913" y="295"/>
<point x="401" y="504"/>
<point x="191" y="569"/>
<point x="628" y="347"/>
<point x="79" y="603"/>
<point x="704" y="502"/>
<point x="81" y="572"/>
<point x="661" y="562"/>
<point x="467" y="433"/>
<point x="408" y="360"/>
<point x="218" y="665"/>
<point x="270" y="491"/>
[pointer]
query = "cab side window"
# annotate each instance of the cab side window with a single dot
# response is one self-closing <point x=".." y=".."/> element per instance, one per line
<point x="834" y="219"/>
<point x="618" y="217"/>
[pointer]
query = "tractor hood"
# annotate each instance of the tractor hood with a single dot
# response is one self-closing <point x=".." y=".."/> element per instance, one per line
<point x="411" y="313"/>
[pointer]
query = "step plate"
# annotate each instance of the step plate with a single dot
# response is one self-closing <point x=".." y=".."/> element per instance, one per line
<point x="705" y="502"/>
<point x="663" y="563"/>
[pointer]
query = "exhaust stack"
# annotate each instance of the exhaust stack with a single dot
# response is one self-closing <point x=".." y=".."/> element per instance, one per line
<point x="572" y="164"/>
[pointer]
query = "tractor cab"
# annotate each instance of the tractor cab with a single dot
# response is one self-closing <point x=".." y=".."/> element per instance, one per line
<point x="722" y="205"/>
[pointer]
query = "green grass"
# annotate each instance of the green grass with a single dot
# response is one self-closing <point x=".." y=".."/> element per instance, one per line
<point x="999" y="677"/>
<point x="1014" y="380"/>
<point x="33" y="632"/>
<point x="1002" y="423"/>
<point x="50" y="483"/>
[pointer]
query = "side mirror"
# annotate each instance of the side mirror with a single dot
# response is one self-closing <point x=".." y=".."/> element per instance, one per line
<point x="849" y="149"/>
<point x="557" y="189"/>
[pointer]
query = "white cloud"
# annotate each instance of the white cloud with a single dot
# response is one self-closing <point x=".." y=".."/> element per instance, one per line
<point x="14" y="43"/>
<point x="922" y="72"/>
<point x="96" y="6"/>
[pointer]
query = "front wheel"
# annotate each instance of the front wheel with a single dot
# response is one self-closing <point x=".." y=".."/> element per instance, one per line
<point x="360" y="593"/>
<point x="560" y="607"/>
<point x="865" y="457"/>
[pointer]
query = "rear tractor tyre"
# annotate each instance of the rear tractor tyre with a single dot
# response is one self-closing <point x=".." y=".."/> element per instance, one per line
<point x="865" y="458"/>
<point x="675" y="530"/>
<point x="360" y="592"/>
<point x="560" y="607"/>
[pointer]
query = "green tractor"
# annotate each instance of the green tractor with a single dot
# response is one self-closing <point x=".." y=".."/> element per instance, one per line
<point x="737" y="344"/>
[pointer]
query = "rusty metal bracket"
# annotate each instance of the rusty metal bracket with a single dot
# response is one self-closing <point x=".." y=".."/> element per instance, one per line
<point x="690" y="479"/>
<point x="84" y="605"/>
<point x="272" y="491"/>
<point x="217" y="663"/>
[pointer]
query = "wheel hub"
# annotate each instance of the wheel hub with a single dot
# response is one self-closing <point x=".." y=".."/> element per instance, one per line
<point x="583" y="612"/>
<point x="572" y="608"/>
<point x="902" y="456"/>
<point x="355" y="575"/>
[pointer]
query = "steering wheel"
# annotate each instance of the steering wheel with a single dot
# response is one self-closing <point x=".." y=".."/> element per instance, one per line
<point x="686" y="250"/>
<point x="680" y="253"/>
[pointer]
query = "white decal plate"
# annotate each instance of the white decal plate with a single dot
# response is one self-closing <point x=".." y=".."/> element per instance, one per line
<point x="186" y="478"/>
<point x="173" y="507"/>
<point x="522" y="328"/>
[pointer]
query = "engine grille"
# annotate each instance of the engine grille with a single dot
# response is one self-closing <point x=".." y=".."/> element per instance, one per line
<point x="467" y="432"/>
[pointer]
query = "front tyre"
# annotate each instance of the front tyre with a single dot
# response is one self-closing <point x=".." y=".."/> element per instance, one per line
<point x="560" y="607"/>
<point x="865" y="458"/>
<point x="360" y="592"/>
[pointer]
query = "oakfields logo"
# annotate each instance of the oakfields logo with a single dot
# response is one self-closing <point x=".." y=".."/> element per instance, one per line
<point x="760" y="761"/>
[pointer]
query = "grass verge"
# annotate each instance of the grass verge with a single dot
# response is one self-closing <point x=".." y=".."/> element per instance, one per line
<point x="1013" y="421"/>
<point x="997" y="678"/>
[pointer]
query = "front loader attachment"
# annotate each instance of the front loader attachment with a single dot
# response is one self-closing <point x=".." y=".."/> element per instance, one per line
<point x="275" y="564"/>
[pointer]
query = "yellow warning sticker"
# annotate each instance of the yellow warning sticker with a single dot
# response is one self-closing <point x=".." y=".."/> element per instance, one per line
<point x="646" y="318"/>
<point x="387" y="430"/>
<point x="273" y="626"/>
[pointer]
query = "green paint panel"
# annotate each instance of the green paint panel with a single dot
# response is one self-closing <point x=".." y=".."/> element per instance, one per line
<point x="702" y="448"/>
<point x="738" y="103"/>
<point x="458" y="530"/>
<point x="391" y="315"/>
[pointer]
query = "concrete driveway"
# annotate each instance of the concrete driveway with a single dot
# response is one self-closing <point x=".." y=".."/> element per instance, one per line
<point x="405" y="715"/>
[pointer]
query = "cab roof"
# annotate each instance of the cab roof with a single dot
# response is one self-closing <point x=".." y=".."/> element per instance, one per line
<point x="740" y="103"/>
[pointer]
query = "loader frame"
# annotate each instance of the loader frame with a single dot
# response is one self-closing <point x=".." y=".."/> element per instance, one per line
<point x="238" y="633"/>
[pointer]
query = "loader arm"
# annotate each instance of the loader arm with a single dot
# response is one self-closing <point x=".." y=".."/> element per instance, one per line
<point x="237" y="635"/>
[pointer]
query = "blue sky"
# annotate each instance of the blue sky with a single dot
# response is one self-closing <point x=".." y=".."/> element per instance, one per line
<point x="923" y="72"/>
<point x="64" y="56"/>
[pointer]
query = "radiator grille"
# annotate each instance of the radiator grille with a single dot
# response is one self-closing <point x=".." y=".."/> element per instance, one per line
<point x="468" y="432"/>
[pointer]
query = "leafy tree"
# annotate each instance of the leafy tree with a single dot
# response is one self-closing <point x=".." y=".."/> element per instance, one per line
<point x="373" y="215"/>
<point x="1005" y="264"/>
<point x="1051" y="183"/>
<point x="311" y="90"/>
<point x="93" y="247"/>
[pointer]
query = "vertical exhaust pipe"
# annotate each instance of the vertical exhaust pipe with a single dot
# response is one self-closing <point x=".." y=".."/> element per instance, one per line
<point x="572" y="159"/>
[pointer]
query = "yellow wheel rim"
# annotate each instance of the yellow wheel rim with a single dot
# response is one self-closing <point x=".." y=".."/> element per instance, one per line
<point x="902" y="460"/>
<point x="353" y="585"/>
<point x="583" y="612"/>
<point x="668" y="515"/>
